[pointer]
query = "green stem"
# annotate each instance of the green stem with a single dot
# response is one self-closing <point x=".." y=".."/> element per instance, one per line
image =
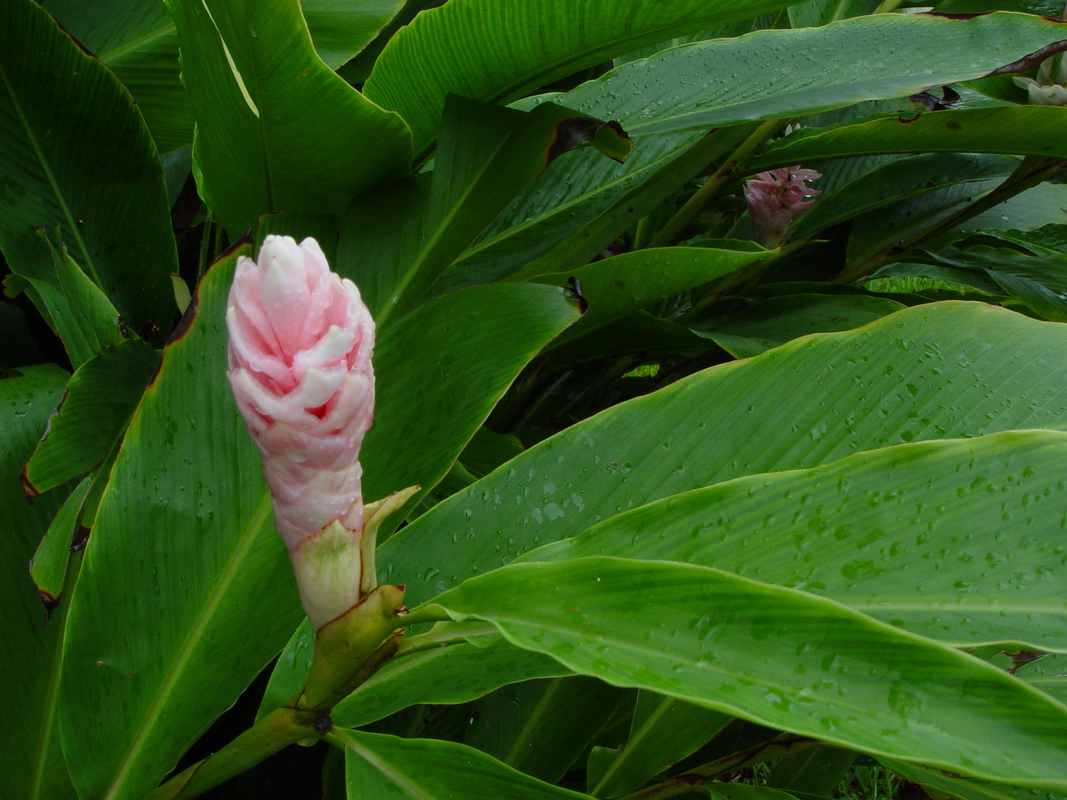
<point x="672" y="231"/>
<point x="681" y="784"/>
<point x="279" y="729"/>
<point x="1032" y="171"/>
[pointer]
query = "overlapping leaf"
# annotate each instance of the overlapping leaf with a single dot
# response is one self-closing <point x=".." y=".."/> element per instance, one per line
<point x="958" y="541"/>
<point x="277" y="130"/>
<point x="975" y="369"/>
<point x="776" y="656"/>
<point x="65" y="121"/>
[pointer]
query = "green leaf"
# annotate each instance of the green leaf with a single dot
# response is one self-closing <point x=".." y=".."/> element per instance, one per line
<point x="542" y="727"/>
<point x="277" y="130"/>
<point x="863" y="532"/>
<point x="1017" y="130"/>
<point x="442" y="368"/>
<point x="341" y="29"/>
<point x="1047" y="673"/>
<point x="892" y="182"/>
<point x="456" y="673"/>
<point x="628" y="282"/>
<point x="182" y="562"/>
<point x="138" y="43"/>
<point x="397" y="241"/>
<point x="487" y="450"/>
<point x="83" y="316"/>
<point x="777" y="320"/>
<point x="483" y="50"/>
<point x="48" y="567"/>
<point x="100" y="397"/>
<point x="964" y="788"/>
<point x="877" y="231"/>
<point x="664" y="731"/>
<point x="778" y="657"/>
<point x="65" y="121"/>
<point x="580" y="186"/>
<point x="30" y="759"/>
<point x="585" y="243"/>
<point x="815" y="771"/>
<point x="429" y="769"/>
<point x="980" y="369"/>
<point x="781" y="73"/>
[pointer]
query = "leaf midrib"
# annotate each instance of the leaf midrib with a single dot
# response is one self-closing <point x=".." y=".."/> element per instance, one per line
<point x="50" y="176"/>
<point x="192" y="639"/>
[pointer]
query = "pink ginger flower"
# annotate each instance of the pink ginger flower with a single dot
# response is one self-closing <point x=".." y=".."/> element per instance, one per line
<point x="775" y="197"/>
<point x="300" y="368"/>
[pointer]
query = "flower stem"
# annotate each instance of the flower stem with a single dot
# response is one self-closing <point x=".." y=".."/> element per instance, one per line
<point x="279" y="729"/>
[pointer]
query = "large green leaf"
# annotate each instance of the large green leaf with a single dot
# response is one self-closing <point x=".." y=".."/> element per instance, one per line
<point x="981" y="369"/>
<point x="340" y="29"/>
<point x="780" y="73"/>
<point x="542" y="727"/>
<point x="498" y="52"/>
<point x="139" y="43"/>
<point x="30" y="758"/>
<point x="456" y="673"/>
<point x="897" y="180"/>
<point x="92" y="415"/>
<point x="964" y="788"/>
<point x="664" y="731"/>
<point x="777" y="320"/>
<point x="182" y="562"/>
<point x="778" y="657"/>
<point x="579" y="187"/>
<point x="442" y="368"/>
<point x="429" y="769"/>
<point x="66" y="121"/>
<point x="277" y="130"/>
<point x="959" y="541"/>
<point x="1018" y="130"/>
<point x="628" y="282"/>
<point x="1049" y="674"/>
<point x="398" y="240"/>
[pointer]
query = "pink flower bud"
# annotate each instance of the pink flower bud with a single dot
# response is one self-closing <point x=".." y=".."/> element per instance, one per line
<point x="775" y="197"/>
<point x="300" y="368"/>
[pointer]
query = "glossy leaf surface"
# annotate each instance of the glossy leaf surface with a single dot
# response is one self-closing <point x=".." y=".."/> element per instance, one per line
<point x="707" y="429"/>
<point x="256" y="149"/>
<point x="1019" y="130"/>
<point x="983" y="565"/>
<point x="707" y="84"/>
<point x="628" y="282"/>
<point x="440" y="371"/>
<point x="65" y="120"/>
<point x="100" y="397"/>
<point x="776" y="656"/>
<point x="30" y="759"/>
<point x="429" y="769"/>
<point x="488" y="51"/>
<point x="183" y="558"/>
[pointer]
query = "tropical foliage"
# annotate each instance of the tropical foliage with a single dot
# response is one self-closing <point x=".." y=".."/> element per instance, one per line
<point x="693" y="498"/>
